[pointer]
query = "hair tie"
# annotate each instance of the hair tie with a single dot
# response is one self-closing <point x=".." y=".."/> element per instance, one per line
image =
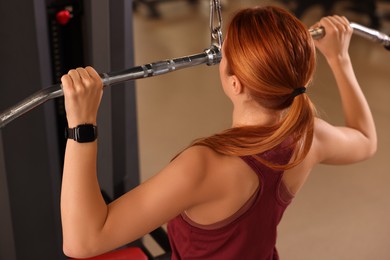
<point x="298" y="91"/>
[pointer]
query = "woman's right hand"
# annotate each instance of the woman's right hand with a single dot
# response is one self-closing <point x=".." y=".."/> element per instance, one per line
<point x="83" y="90"/>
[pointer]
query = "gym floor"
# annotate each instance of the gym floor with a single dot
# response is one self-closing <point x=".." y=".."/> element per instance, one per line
<point x="343" y="212"/>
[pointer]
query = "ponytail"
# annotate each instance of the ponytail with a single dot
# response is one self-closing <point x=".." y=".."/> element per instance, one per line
<point x="295" y="130"/>
<point x="273" y="55"/>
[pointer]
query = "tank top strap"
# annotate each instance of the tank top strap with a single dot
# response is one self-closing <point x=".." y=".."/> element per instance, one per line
<point x="270" y="179"/>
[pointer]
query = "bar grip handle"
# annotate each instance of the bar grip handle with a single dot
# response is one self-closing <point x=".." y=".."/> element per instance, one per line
<point x="360" y="30"/>
<point x="210" y="56"/>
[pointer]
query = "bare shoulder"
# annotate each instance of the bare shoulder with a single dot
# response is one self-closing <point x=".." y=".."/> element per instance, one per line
<point x="208" y="160"/>
<point x="227" y="183"/>
<point x="196" y="158"/>
<point x="296" y="177"/>
<point x="218" y="174"/>
<point x="194" y="165"/>
<point x="201" y="163"/>
<point x="331" y="145"/>
<point x="322" y="144"/>
<point x="321" y="128"/>
<point x="199" y="152"/>
<point x="339" y="144"/>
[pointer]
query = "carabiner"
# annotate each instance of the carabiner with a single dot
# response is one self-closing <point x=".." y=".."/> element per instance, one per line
<point x="216" y="23"/>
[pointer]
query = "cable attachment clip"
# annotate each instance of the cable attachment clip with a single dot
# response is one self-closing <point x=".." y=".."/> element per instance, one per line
<point x="216" y="23"/>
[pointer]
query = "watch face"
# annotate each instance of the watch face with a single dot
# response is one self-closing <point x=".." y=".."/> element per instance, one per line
<point x="85" y="133"/>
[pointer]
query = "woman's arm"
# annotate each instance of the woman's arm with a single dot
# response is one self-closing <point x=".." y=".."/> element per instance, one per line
<point x="81" y="199"/>
<point x="357" y="140"/>
<point x="90" y="227"/>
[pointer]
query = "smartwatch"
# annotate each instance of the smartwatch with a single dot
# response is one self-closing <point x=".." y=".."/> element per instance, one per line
<point x="82" y="133"/>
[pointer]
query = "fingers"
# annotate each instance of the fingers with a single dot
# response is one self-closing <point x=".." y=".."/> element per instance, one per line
<point x="335" y="43"/>
<point x="341" y="23"/>
<point x="83" y="90"/>
<point x="80" y="78"/>
<point x="335" y="24"/>
<point x="347" y="24"/>
<point x="83" y="74"/>
<point x="92" y="72"/>
<point x="66" y="81"/>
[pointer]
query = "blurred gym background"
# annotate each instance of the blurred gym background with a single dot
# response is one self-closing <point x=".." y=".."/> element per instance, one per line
<point x="342" y="212"/>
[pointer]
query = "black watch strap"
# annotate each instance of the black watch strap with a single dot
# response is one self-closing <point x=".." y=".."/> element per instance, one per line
<point x="82" y="133"/>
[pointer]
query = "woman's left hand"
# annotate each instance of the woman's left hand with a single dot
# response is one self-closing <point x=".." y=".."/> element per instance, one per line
<point x="83" y="90"/>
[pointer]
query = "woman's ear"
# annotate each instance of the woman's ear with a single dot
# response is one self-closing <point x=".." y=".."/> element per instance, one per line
<point x="236" y="85"/>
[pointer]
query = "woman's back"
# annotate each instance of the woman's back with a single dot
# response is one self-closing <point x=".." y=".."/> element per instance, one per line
<point x="268" y="60"/>
<point x="252" y="201"/>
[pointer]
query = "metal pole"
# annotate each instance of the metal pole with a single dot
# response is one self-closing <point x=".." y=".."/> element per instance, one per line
<point x="210" y="57"/>
<point x="360" y="30"/>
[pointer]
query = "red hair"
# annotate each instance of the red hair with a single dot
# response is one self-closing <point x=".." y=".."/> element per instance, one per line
<point x="272" y="53"/>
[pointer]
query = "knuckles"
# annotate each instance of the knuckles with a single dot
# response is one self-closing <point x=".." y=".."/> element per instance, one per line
<point x="80" y="81"/>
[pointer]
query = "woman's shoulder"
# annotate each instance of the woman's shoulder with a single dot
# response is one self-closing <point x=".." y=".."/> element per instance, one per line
<point x="213" y="165"/>
<point x="196" y="159"/>
<point x="201" y="157"/>
<point x="338" y="144"/>
<point x="227" y="183"/>
<point x="199" y="150"/>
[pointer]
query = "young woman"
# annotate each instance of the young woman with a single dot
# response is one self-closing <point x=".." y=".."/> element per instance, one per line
<point x="224" y="196"/>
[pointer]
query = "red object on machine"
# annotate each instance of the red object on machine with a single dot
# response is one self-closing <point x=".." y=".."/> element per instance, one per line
<point x="63" y="17"/>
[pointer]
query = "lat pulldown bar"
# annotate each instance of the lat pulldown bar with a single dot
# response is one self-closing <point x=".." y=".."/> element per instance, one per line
<point x="210" y="56"/>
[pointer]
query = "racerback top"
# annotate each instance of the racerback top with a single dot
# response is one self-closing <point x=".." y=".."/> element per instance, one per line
<point x="251" y="232"/>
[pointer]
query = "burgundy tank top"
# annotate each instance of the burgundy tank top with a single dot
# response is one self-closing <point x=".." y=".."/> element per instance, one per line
<point x="251" y="232"/>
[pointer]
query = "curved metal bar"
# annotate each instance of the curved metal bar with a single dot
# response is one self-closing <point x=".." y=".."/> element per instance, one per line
<point x="29" y="103"/>
<point x="360" y="30"/>
<point x="210" y="56"/>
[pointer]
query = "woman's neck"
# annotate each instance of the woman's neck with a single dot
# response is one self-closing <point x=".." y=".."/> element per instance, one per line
<point x="254" y="114"/>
